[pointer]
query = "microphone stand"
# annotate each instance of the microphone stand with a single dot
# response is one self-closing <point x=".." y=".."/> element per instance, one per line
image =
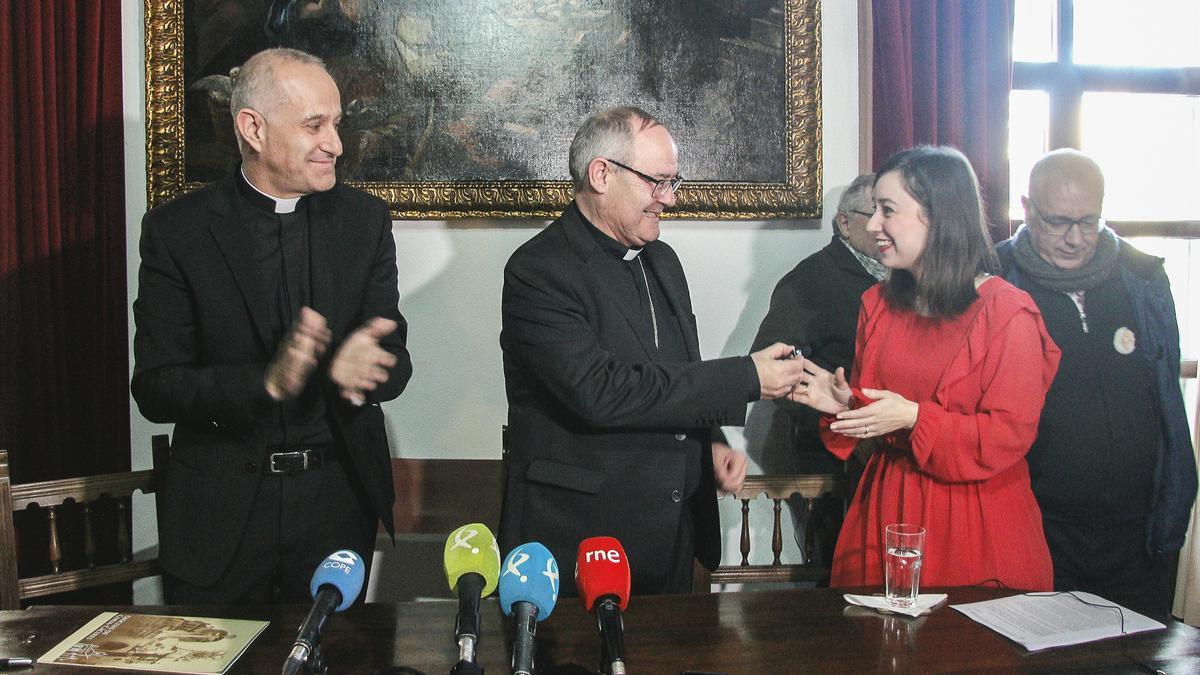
<point x="612" y="645"/>
<point x="467" y="625"/>
<point x="316" y="662"/>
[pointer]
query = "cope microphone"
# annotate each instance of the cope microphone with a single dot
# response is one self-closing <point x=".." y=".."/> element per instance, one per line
<point x="602" y="576"/>
<point x="472" y="563"/>
<point x="335" y="586"/>
<point x="528" y="590"/>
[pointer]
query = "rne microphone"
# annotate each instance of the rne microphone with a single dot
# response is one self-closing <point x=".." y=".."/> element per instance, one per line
<point x="602" y="576"/>
<point x="335" y="586"/>
<point x="528" y="590"/>
<point x="472" y="564"/>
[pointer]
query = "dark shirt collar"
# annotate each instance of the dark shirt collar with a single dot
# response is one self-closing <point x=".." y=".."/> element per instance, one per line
<point x="264" y="201"/>
<point x="609" y="245"/>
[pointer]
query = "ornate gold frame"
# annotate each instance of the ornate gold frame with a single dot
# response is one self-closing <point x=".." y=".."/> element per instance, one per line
<point x="799" y="196"/>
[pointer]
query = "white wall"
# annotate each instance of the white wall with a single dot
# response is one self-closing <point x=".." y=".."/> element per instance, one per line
<point x="450" y="274"/>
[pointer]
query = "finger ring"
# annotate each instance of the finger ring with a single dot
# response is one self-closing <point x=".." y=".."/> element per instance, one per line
<point x="866" y="429"/>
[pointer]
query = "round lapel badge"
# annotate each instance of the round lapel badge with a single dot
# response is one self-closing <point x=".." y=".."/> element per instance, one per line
<point x="1124" y="341"/>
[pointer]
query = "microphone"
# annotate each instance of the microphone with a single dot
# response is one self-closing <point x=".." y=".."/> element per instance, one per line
<point x="335" y="586"/>
<point x="602" y="576"/>
<point x="472" y="563"/>
<point x="528" y="590"/>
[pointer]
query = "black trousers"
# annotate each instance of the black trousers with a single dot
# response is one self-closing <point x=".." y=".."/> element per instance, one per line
<point x="1109" y="558"/>
<point x="297" y="520"/>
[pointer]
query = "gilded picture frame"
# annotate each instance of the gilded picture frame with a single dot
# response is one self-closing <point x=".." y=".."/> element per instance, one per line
<point x="465" y="108"/>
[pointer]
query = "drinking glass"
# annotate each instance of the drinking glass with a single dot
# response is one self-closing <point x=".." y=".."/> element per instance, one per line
<point x="904" y="548"/>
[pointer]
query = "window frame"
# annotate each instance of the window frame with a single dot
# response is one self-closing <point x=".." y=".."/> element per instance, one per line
<point x="1065" y="82"/>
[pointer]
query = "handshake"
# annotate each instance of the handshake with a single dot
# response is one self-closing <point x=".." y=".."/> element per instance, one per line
<point x="781" y="370"/>
<point x="785" y="371"/>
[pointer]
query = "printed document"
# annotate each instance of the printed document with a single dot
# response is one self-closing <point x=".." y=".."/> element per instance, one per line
<point x="1043" y="620"/>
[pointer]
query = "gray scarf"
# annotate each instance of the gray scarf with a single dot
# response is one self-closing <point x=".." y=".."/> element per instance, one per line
<point x="1095" y="272"/>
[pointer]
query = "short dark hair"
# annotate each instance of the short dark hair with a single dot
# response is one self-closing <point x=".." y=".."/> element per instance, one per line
<point x="958" y="246"/>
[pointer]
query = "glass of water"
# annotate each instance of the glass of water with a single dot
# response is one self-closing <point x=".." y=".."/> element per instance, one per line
<point x="904" y="549"/>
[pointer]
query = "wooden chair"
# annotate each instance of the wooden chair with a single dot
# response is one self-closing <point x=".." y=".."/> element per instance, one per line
<point x="777" y="489"/>
<point x="52" y="496"/>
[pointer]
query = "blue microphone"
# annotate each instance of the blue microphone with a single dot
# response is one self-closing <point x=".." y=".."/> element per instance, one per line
<point x="335" y="586"/>
<point x="528" y="590"/>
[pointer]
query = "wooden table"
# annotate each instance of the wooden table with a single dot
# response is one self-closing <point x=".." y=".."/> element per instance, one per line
<point x="750" y="632"/>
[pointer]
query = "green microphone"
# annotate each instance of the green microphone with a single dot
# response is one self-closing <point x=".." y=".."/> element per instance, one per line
<point x="472" y="563"/>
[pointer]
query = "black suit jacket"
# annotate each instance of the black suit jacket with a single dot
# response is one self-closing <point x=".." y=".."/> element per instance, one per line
<point x="599" y="433"/>
<point x="202" y="347"/>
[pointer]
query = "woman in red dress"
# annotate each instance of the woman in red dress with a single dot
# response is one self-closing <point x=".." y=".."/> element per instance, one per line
<point x="952" y="368"/>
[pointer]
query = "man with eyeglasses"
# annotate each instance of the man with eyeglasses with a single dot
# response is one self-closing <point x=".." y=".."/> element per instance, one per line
<point x="1112" y="466"/>
<point x="612" y="416"/>
<point x="816" y="304"/>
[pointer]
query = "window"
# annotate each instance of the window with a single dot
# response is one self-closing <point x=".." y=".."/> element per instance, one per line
<point x="1119" y="80"/>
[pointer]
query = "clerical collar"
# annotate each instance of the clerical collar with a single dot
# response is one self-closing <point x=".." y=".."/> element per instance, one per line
<point x="266" y="201"/>
<point x="611" y="246"/>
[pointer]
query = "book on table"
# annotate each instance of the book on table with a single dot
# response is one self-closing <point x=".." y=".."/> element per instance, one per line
<point x="165" y="644"/>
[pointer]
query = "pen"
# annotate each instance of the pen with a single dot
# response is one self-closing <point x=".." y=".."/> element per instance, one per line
<point x="15" y="664"/>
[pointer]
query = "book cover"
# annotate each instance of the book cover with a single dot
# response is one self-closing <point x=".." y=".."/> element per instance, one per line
<point x="166" y="644"/>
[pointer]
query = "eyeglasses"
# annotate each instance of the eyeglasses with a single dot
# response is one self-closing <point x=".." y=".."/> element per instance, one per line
<point x="660" y="186"/>
<point x="868" y="214"/>
<point x="1059" y="226"/>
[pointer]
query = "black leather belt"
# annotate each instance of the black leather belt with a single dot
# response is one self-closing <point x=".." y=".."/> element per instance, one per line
<point x="299" y="460"/>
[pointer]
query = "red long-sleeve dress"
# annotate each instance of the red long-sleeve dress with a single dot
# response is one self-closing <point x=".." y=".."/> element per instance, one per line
<point x="979" y="380"/>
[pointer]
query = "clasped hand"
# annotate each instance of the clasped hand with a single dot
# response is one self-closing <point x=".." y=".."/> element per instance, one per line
<point x="830" y="393"/>
<point x="359" y="366"/>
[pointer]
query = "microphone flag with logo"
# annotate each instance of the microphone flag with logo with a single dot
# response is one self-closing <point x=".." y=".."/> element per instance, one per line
<point x="529" y="574"/>
<point x="602" y="570"/>
<point x="472" y="549"/>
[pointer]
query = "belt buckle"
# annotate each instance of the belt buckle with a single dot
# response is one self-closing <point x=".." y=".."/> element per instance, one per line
<point x="277" y="456"/>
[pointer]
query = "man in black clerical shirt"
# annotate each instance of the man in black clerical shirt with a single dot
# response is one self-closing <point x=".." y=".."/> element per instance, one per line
<point x="268" y="332"/>
<point x="612" y="413"/>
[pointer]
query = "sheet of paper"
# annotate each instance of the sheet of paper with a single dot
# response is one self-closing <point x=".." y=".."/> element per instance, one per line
<point x="1043" y="620"/>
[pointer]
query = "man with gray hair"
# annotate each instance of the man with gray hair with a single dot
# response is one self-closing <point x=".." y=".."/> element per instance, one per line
<point x="268" y="332"/>
<point x="816" y="305"/>
<point x="1112" y="467"/>
<point x="611" y="412"/>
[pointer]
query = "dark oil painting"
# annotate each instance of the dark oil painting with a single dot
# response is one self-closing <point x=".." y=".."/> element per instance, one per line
<point x="487" y="94"/>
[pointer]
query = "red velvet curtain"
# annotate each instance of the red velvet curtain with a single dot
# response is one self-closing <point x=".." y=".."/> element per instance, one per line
<point x="63" y="371"/>
<point x="941" y="73"/>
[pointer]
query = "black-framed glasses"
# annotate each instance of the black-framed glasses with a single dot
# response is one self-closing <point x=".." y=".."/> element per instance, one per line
<point x="660" y="186"/>
<point x="1059" y="226"/>
<point x="868" y="214"/>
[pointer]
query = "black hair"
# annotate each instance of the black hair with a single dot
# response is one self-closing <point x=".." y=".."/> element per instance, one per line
<point x="957" y="247"/>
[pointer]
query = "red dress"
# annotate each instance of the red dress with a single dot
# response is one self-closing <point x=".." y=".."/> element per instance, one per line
<point x="979" y="380"/>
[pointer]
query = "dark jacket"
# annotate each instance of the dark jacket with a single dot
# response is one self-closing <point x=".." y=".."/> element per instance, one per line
<point x="815" y="305"/>
<point x="203" y="344"/>
<point x="600" y="435"/>
<point x="1157" y="331"/>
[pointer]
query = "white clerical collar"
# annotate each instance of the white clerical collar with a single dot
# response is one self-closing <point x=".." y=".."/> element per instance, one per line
<point x="631" y="254"/>
<point x="281" y="205"/>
